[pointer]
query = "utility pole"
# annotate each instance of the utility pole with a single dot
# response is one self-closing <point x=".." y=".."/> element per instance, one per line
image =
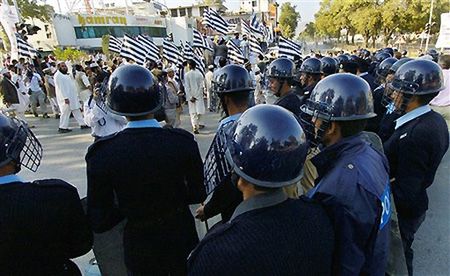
<point x="429" y="25"/>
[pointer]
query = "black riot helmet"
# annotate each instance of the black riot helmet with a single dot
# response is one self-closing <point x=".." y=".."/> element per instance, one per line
<point x="267" y="146"/>
<point x="342" y="59"/>
<point x="133" y="92"/>
<point x="418" y="77"/>
<point x="388" y="50"/>
<point x="311" y="66"/>
<point x="434" y="54"/>
<point x="414" y="78"/>
<point x="281" y="68"/>
<point x="397" y="65"/>
<point x="380" y="56"/>
<point x="383" y="68"/>
<point x="232" y="78"/>
<point x="339" y="97"/>
<point x="18" y="144"/>
<point x="328" y="66"/>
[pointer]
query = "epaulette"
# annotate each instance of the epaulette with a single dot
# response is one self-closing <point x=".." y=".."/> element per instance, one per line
<point x="53" y="182"/>
<point x="99" y="141"/>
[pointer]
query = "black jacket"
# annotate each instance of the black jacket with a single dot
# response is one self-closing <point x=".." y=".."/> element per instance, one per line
<point x="294" y="237"/>
<point x="9" y="92"/>
<point x="415" y="151"/>
<point x="291" y="102"/>
<point x="155" y="174"/>
<point x="42" y="226"/>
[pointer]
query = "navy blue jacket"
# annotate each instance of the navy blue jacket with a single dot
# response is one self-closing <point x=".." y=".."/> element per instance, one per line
<point x="294" y="237"/>
<point x="291" y="102"/>
<point x="353" y="185"/>
<point x="415" y="151"/>
<point x="370" y="80"/>
<point x="154" y="173"/>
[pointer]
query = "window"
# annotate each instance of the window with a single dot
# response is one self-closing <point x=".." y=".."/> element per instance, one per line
<point x="182" y="12"/>
<point x="46" y="27"/>
<point x="118" y="31"/>
<point x="49" y="35"/>
<point x="174" y="12"/>
<point x="254" y="3"/>
<point x="189" y="12"/>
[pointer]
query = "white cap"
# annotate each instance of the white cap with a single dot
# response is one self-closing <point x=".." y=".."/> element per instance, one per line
<point x="93" y="64"/>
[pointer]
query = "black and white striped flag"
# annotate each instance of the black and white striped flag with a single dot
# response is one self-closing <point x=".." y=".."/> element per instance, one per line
<point x="217" y="22"/>
<point x="114" y="44"/>
<point x="191" y="54"/>
<point x="256" y="26"/>
<point x="24" y="49"/>
<point x="234" y="53"/>
<point x="133" y="49"/>
<point x="245" y="27"/>
<point x="200" y="41"/>
<point x="152" y="49"/>
<point x="206" y="18"/>
<point x="255" y="46"/>
<point x="288" y="48"/>
<point x="170" y="52"/>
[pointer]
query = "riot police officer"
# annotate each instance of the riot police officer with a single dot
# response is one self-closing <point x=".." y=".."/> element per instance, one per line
<point x="268" y="233"/>
<point x="386" y="110"/>
<point x="153" y="173"/>
<point x="43" y="224"/>
<point x="310" y="73"/>
<point x="417" y="145"/>
<point x="381" y="71"/>
<point x="353" y="181"/>
<point x="280" y="74"/>
<point x="233" y="85"/>
<point x="328" y="66"/>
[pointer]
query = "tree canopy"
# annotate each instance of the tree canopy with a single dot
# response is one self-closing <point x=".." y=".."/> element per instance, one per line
<point x="30" y="9"/>
<point x="288" y="19"/>
<point x="375" y="18"/>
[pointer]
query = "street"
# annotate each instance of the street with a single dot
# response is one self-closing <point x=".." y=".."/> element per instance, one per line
<point x="64" y="158"/>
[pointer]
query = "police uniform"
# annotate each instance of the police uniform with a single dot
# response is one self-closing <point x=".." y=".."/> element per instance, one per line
<point x="268" y="234"/>
<point x="43" y="226"/>
<point x="291" y="102"/>
<point x="415" y="151"/>
<point x="416" y="147"/>
<point x="155" y="174"/>
<point x="353" y="185"/>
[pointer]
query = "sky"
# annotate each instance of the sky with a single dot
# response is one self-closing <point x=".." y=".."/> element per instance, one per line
<point x="307" y="8"/>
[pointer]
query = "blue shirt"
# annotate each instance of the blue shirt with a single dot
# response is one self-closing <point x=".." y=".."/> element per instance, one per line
<point x="228" y="119"/>
<point x="143" y="124"/>
<point x="9" y="179"/>
<point x="412" y="115"/>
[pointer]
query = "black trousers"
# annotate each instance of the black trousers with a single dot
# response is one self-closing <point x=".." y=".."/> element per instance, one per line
<point x="408" y="228"/>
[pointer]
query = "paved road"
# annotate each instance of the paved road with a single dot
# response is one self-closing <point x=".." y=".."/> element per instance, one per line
<point x="64" y="158"/>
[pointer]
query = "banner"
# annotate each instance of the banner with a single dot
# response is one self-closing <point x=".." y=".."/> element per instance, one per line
<point x="444" y="32"/>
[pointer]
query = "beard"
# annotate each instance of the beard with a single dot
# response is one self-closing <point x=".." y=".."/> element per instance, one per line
<point x="64" y="71"/>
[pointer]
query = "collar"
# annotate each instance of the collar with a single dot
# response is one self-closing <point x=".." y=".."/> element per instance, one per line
<point x="228" y="119"/>
<point x="143" y="124"/>
<point x="413" y="114"/>
<point x="9" y="179"/>
<point x="260" y="201"/>
<point x="328" y="156"/>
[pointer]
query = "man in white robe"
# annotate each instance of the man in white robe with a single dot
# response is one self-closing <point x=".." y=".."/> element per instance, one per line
<point x="67" y="97"/>
<point x="194" y="87"/>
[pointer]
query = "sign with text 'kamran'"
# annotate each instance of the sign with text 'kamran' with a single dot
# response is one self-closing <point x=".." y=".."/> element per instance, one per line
<point x="101" y="20"/>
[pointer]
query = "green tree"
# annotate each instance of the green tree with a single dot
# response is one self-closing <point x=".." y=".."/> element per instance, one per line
<point x="105" y="44"/>
<point x="69" y="54"/>
<point x="309" y="32"/>
<point x="30" y="9"/>
<point x="288" y="19"/>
